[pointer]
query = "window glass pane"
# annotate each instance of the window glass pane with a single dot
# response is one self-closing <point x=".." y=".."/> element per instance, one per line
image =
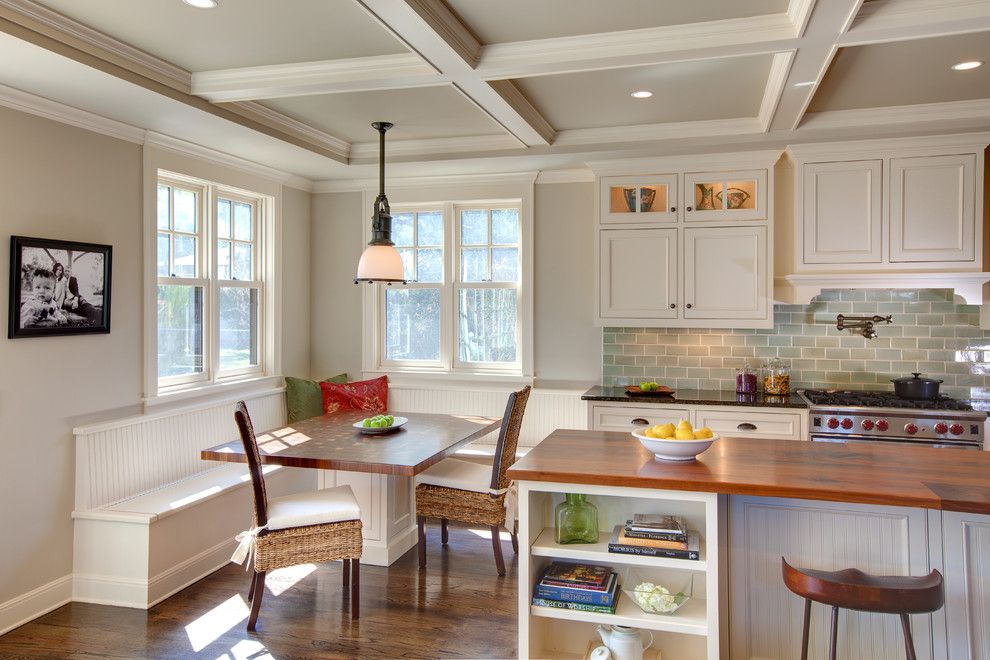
<point x="185" y="211"/>
<point x="162" y="207"/>
<point x="242" y="261"/>
<point x="184" y="262"/>
<point x="474" y="264"/>
<point x="180" y="330"/>
<point x="223" y="260"/>
<point x="505" y="226"/>
<point x="429" y="265"/>
<point x="402" y="228"/>
<point x="505" y="264"/>
<point x="474" y="227"/>
<point x="163" y="254"/>
<point x="412" y="324"/>
<point x="223" y="218"/>
<point x="487" y="325"/>
<point x="429" y="226"/>
<point x="242" y="221"/>
<point x="238" y="327"/>
<point x="408" y="263"/>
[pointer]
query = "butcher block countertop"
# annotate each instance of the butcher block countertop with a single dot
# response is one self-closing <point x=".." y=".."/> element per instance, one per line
<point x="947" y="479"/>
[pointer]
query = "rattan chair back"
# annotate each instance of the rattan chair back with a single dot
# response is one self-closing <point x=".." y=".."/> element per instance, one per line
<point x="246" y="428"/>
<point x="508" y="437"/>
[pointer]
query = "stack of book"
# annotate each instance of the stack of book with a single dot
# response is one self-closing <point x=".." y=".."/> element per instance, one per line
<point x="585" y="587"/>
<point x="655" y="536"/>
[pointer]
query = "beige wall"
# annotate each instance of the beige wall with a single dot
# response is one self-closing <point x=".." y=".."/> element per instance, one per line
<point x="61" y="182"/>
<point x="296" y="224"/>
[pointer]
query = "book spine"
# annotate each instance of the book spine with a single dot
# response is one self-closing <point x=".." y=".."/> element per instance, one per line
<point x="655" y="536"/>
<point x="574" y="585"/>
<point x="601" y="598"/>
<point x="653" y="552"/>
<point x="581" y="607"/>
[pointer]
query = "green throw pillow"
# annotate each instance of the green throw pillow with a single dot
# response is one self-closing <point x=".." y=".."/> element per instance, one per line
<point x="303" y="398"/>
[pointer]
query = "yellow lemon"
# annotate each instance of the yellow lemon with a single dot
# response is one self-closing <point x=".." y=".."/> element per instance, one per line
<point x="684" y="434"/>
<point x="708" y="432"/>
<point x="684" y="425"/>
<point x="665" y="430"/>
<point x="703" y="434"/>
<point x="649" y="433"/>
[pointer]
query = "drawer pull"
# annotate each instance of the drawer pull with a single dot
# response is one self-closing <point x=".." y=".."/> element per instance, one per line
<point x="640" y="421"/>
<point x="746" y="426"/>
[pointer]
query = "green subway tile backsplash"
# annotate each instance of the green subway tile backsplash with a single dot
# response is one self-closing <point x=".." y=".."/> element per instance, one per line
<point x="931" y="333"/>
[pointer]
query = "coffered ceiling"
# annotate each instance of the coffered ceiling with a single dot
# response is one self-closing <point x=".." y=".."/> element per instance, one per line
<point x="501" y="86"/>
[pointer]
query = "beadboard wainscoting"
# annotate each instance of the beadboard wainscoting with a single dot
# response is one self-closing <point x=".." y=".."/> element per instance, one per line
<point x="930" y="333"/>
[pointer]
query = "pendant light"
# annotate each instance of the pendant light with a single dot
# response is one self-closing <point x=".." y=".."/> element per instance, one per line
<point x="380" y="261"/>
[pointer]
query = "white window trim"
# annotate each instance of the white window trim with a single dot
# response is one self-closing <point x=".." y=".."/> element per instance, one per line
<point x="447" y="370"/>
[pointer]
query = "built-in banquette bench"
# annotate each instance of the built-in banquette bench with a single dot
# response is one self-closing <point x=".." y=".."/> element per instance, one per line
<point x="150" y="516"/>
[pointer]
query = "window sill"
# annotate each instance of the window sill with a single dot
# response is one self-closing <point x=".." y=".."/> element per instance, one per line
<point x="210" y="392"/>
<point x="451" y="380"/>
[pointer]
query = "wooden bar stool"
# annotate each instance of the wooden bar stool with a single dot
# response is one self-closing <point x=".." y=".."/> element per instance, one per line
<point x="853" y="589"/>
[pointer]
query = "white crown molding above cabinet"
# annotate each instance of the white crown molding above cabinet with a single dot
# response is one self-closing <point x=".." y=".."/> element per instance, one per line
<point x="687" y="162"/>
<point x="42" y="107"/>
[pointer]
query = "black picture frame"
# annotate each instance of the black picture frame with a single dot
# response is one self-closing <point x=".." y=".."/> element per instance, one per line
<point x="84" y="299"/>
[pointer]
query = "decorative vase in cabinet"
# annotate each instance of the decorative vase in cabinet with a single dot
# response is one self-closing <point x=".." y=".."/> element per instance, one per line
<point x="576" y="519"/>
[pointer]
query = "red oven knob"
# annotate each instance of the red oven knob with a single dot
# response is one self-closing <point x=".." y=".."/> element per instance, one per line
<point x="847" y="423"/>
<point x="867" y="425"/>
<point x="941" y="428"/>
<point x="882" y="425"/>
<point x="956" y="429"/>
<point x="832" y="423"/>
<point x="910" y="428"/>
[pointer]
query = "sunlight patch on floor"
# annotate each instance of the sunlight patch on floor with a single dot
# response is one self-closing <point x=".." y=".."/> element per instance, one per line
<point x="208" y="628"/>
<point x="247" y="649"/>
<point x="487" y="534"/>
<point x="282" y="579"/>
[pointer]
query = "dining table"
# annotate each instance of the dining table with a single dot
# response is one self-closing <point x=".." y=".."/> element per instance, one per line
<point x="379" y="468"/>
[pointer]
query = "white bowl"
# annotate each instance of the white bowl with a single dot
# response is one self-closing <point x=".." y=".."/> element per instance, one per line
<point x="674" y="450"/>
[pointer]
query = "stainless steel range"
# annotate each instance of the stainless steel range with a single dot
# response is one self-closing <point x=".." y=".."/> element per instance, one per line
<point x="882" y="417"/>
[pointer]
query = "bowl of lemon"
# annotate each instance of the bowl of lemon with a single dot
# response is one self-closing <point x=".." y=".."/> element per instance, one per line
<point x="675" y="443"/>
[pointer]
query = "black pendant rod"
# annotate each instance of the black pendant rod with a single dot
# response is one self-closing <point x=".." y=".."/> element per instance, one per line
<point x="381" y="221"/>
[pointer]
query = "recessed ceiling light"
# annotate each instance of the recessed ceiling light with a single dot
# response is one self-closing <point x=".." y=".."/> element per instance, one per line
<point x="642" y="94"/>
<point x="966" y="66"/>
<point x="804" y="83"/>
<point x="202" y="4"/>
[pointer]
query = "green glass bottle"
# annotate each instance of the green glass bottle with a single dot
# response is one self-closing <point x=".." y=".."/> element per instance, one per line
<point x="577" y="520"/>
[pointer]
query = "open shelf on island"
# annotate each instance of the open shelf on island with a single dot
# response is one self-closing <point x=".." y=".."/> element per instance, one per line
<point x="691" y="619"/>
<point x="546" y="546"/>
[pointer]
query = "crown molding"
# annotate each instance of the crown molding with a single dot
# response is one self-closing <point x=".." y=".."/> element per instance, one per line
<point x="59" y="27"/>
<point x="665" y="131"/>
<point x="331" y="143"/>
<point x="362" y="185"/>
<point x="887" y="20"/>
<point x="798" y="12"/>
<point x="42" y="107"/>
<point x="905" y="146"/>
<point x="575" y="175"/>
<point x="780" y="67"/>
<point x="468" y="145"/>
<point x="690" y="162"/>
<point x="947" y="112"/>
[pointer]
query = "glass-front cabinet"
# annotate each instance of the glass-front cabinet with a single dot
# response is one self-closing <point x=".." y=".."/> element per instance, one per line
<point x="645" y="199"/>
<point x="720" y="196"/>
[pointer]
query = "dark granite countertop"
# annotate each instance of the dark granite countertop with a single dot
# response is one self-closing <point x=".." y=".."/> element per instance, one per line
<point x="697" y="398"/>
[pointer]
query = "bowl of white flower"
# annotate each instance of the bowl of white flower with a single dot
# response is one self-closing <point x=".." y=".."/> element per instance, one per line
<point x="656" y="596"/>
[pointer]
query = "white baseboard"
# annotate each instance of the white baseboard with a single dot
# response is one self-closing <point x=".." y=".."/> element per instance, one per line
<point x="192" y="570"/>
<point x="109" y="590"/>
<point x="20" y="609"/>
<point x="379" y="553"/>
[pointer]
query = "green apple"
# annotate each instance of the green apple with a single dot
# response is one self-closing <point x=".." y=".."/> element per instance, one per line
<point x="366" y="423"/>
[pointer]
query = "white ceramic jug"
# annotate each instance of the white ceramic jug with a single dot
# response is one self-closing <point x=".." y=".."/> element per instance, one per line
<point x="624" y="642"/>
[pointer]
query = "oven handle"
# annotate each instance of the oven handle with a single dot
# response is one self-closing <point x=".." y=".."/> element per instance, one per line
<point x="866" y="440"/>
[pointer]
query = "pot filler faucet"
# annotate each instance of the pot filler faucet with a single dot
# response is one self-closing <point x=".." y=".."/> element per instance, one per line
<point x="865" y="324"/>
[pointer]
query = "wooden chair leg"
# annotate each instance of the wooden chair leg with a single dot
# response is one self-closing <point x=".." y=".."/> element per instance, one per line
<point x="259" y="591"/>
<point x="347" y="574"/>
<point x="806" y="630"/>
<point x="421" y="524"/>
<point x="355" y="589"/>
<point x="497" y="547"/>
<point x="908" y="639"/>
<point x="515" y="537"/>
<point x="443" y="531"/>
<point x="833" y="645"/>
<point x="254" y="581"/>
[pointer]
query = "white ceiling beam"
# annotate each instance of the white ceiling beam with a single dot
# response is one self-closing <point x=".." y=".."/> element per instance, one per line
<point x="639" y="134"/>
<point x="430" y="28"/>
<point x="886" y="20"/>
<point x="950" y="114"/>
<point x="358" y="74"/>
<point x="368" y="151"/>
<point x="779" y="68"/>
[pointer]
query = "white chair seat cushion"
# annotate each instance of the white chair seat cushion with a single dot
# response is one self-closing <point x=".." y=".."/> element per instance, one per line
<point x="318" y="507"/>
<point x="463" y="475"/>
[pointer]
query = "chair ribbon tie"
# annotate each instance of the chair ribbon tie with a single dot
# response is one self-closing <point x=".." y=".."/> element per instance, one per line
<point x="246" y="541"/>
<point x="511" y="502"/>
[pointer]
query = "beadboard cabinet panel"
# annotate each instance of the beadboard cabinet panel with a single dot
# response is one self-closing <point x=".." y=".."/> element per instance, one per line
<point x="843" y="212"/>
<point x="967" y="584"/>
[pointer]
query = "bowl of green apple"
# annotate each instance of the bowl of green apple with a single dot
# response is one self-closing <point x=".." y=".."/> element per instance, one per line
<point x="380" y="424"/>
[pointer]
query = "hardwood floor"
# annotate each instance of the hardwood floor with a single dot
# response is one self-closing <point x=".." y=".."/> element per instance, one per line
<point x="457" y="608"/>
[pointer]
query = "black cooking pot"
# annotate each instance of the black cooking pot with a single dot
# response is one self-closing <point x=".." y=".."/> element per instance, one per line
<point x="916" y="387"/>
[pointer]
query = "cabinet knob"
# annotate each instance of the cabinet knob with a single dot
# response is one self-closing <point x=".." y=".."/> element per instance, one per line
<point x="689" y="305"/>
<point x="673" y="209"/>
<point x="746" y="426"/>
<point x="689" y="208"/>
<point x="673" y="305"/>
<point x="640" y="421"/>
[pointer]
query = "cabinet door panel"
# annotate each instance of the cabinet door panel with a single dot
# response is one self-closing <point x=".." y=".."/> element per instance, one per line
<point x="743" y="422"/>
<point x="842" y="212"/>
<point x="722" y="196"/>
<point x="638" y="277"/>
<point x="725" y="273"/>
<point x="641" y="199"/>
<point x="932" y="208"/>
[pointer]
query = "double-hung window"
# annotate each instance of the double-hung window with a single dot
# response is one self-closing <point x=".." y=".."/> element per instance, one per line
<point x="461" y="311"/>
<point x="210" y="275"/>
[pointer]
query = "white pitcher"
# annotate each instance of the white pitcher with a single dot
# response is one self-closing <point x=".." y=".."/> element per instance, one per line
<point x="624" y="642"/>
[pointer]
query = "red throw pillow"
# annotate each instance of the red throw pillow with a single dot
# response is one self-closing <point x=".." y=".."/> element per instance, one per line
<point x="370" y="395"/>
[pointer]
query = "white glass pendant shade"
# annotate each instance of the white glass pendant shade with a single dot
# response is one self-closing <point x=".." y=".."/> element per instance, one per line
<point x="380" y="263"/>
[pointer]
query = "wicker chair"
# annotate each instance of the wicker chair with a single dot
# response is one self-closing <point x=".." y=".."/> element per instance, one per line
<point x="472" y="493"/>
<point x="304" y="528"/>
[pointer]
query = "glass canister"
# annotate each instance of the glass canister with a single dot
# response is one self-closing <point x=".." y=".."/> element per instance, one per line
<point x="746" y="379"/>
<point x="776" y="378"/>
<point x="577" y="520"/>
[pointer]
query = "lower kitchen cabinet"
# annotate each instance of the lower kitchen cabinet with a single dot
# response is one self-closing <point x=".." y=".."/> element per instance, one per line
<point x="966" y="544"/>
<point x="737" y="421"/>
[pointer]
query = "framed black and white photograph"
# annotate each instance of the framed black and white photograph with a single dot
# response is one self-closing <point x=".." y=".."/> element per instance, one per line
<point x="58" y="287"/>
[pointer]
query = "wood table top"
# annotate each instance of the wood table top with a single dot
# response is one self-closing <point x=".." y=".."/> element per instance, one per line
<point x="924" y="477"/>
<point x="331" y="443"/>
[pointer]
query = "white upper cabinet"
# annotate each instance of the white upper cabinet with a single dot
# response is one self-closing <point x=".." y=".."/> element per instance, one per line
<point x="638" y="273"/>
<point x="725" y="273"/>
<point x="932" y="208"/>
<point x="639" y="199"/>
<point x="722" y="196"/>
<point x="843" y="212"/>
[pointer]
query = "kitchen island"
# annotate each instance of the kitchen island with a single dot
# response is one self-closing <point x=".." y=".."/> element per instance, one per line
<point x="886" y="510"/>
